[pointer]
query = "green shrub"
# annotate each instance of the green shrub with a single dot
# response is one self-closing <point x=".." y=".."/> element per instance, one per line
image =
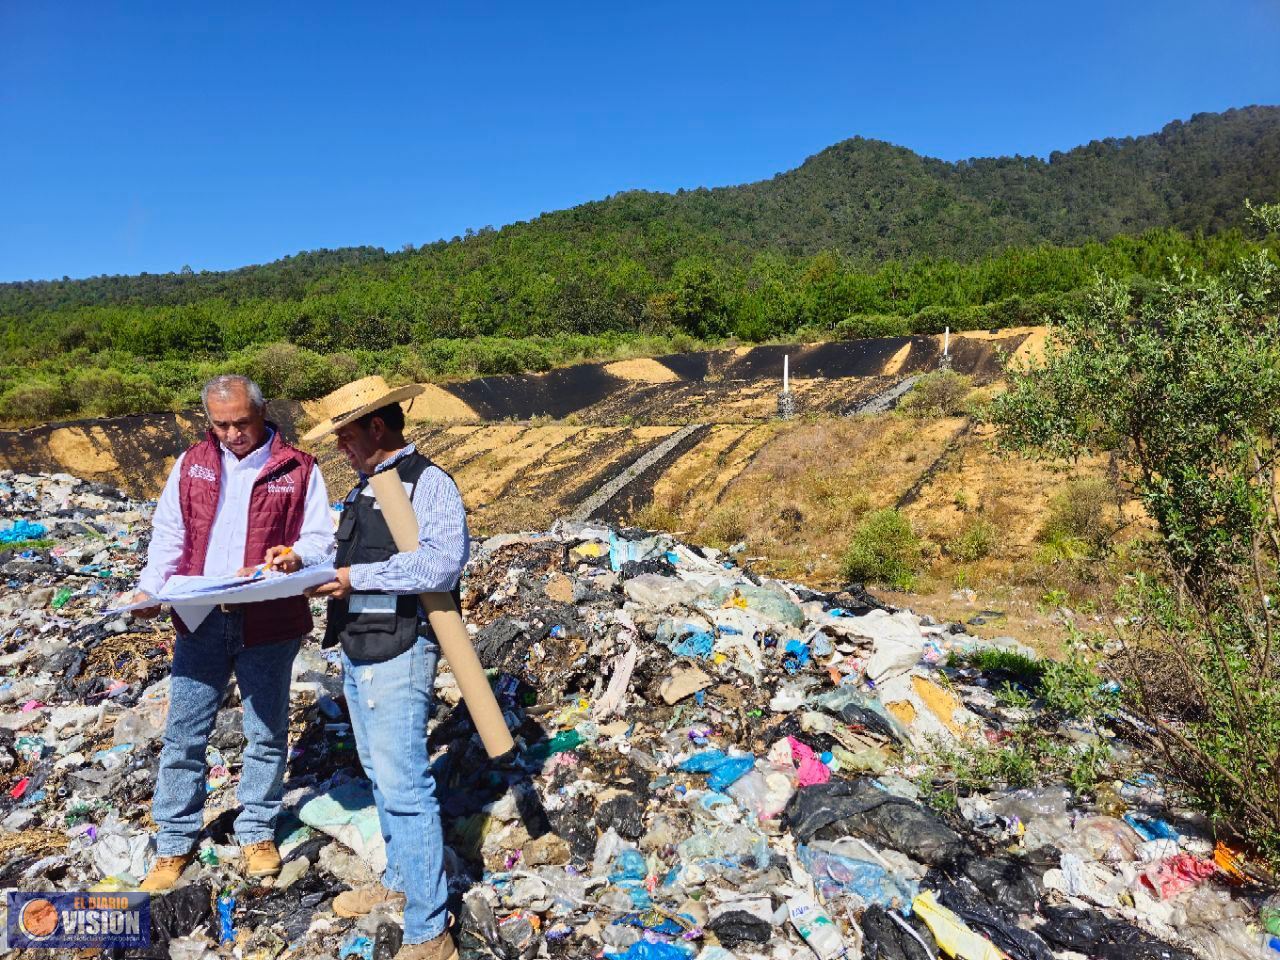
<point x="295" y="373"/>
<point x="110" y="393"/>
<point x="1184" y="387"/>
<point x="938" y="394"/>
<point x="1073" y="689"/>
<point x="1083" y="511"/>
<point x="36" y="401"/>
<point x="863" y="325"/>
<point x="884" y="550"/>
<point x="975" y="542"/>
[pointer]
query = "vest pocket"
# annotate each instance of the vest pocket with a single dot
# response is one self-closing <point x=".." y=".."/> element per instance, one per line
<point x="370" y="628"/>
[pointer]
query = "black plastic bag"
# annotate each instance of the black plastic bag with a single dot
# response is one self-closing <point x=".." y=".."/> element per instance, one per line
<point x="1011" y="883"/>
<point x="842" y="808"/>
<point x="1000" y="927"/>
<point x="1097" y="935"/>
<point x="887" y="936"/>
<point x="734" y="927"/>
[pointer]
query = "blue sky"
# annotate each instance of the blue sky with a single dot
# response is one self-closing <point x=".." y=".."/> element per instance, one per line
<point x="144" y="136"/>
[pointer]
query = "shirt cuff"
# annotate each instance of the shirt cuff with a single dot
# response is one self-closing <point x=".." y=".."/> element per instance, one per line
<point x="364" y="576"/>
<point x="313" y="559"/>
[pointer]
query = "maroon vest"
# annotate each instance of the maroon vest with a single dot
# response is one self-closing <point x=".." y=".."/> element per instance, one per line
<point x="276" y="509"/>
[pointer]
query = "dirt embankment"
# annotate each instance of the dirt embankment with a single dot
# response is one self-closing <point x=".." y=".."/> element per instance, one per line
<point x="697" y="441"/>
<point x="622" y="400"/>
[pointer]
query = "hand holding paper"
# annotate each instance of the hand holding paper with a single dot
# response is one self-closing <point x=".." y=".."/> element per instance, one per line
<point x="193" y="597"/>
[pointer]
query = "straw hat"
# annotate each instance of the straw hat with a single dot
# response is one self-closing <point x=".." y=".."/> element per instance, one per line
<point x="353" y="401"/>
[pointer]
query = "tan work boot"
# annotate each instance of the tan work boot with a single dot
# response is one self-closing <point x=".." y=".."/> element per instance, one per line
<point x="261" y="859"/>
<point x="164" y="873"/>
<point x="359" y="902"/>
<point x="441" y="948"/>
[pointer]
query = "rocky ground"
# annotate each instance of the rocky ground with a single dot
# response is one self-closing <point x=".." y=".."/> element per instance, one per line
<point x="711" y="764"/>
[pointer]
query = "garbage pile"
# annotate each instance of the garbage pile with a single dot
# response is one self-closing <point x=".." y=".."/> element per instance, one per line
<point x="710" y="764"/>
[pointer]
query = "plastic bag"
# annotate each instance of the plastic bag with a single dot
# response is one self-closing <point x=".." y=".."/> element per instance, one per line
<point x="723" y="768"/>
<point x="887" y="936"/>
<point x="1031" y="804"/>
<point x="119" y="850"/>
<point x="1097" y="935"/>
<point x="1106" y="839"/>
<point x="835" y="875"/>
<point x="955" y="939"/>
<point x="842" y="808"/>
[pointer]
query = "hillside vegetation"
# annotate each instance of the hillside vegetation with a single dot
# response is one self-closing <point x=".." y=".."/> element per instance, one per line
<point x="862" y="239"/>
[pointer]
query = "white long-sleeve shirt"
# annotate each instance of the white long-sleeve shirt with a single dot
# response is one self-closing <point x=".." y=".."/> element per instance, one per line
<point x="231" y="523"/>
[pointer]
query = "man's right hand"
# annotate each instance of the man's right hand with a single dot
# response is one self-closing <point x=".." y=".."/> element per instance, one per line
<point x="283" y="558"/>
<point x="142" y="613"/>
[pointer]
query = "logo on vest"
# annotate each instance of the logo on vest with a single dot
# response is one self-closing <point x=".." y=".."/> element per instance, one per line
<point x="281" y="485"/>
<point x="199" y="472"/>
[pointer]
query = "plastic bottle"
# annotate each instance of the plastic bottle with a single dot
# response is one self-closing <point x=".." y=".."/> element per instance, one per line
<point x="817" y="929"/>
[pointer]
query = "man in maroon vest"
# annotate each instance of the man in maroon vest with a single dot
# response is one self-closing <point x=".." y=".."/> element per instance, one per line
<point x="237" y="499"/>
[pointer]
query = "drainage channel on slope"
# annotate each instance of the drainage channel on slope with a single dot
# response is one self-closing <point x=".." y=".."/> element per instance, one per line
<point x="588" y="507"/>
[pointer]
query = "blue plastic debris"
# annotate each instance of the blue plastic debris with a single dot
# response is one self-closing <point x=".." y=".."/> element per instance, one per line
<point x="645" y="950"/>
<point x="629" y="865"/>
<point x="795" y="656"/>
<point x="723" y="769"/>
<point x="226" y="918"/>
<point x="697" y="645"/>
<point x="23" y="530"/>
<point x="835" y="875"/>
<point x="1151" y="828"/>
<point x="357" y="946"/>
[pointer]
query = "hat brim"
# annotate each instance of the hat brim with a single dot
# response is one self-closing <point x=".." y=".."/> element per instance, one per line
<point x="326" y="427"/>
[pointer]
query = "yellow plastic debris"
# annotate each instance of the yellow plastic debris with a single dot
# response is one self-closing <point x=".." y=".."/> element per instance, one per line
<point x="955" y="939"/>
<point x="589" y="549"/>
<point x="941" y="703"/>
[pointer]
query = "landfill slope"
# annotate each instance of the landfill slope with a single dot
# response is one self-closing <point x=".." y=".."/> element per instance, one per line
<point x="731" y="385"/>
<point x="709" y="764"/>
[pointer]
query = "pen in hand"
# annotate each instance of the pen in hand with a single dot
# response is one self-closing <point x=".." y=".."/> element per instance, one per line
<point x="261" y="569"/>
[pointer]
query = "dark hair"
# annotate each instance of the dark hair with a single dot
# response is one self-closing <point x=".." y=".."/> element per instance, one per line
<point x="392" y="415"/>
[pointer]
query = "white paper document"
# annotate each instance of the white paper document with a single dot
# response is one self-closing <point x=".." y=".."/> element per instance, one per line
<point x="192" y="598"/>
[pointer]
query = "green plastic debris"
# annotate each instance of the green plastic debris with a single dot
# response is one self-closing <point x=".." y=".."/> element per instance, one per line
<point x="563" y="741"/>
<point x="61" y="597"/>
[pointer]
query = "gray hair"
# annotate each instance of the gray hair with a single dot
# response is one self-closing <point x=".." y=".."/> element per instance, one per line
<point x="224" y="385"/>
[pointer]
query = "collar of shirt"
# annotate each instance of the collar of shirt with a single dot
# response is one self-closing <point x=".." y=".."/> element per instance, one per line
<point x="395" y="458"/>
<point x="255" y="459"/>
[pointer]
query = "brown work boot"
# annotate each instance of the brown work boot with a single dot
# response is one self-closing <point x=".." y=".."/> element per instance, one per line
<point x="261" y="859"/>
<point x="361" y="901"/>
<point x="164" y="873"/>
<point x="441" y="948"/>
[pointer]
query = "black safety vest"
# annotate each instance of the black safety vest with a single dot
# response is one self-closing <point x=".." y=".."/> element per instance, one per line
<point x="386" y="625"/>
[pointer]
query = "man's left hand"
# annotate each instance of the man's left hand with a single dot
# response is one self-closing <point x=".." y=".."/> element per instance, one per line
<point x="338" y="588"/>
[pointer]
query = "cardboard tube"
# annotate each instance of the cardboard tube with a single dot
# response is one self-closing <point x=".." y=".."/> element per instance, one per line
<point x="446" y="621"/>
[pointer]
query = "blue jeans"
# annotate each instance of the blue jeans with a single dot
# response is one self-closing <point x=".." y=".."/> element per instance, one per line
<point x="389" y="702"/>
<point x="203" y="662"/>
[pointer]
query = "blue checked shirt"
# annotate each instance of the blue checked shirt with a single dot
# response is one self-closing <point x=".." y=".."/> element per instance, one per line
<point x="443" y="541"/>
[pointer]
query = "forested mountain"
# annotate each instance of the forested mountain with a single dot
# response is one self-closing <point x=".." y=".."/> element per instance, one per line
<point x="867" y="199"/>
<point x="863" y="239"/>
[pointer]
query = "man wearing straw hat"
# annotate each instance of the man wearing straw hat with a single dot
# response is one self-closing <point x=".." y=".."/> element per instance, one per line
<point x="389" y="655"/>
